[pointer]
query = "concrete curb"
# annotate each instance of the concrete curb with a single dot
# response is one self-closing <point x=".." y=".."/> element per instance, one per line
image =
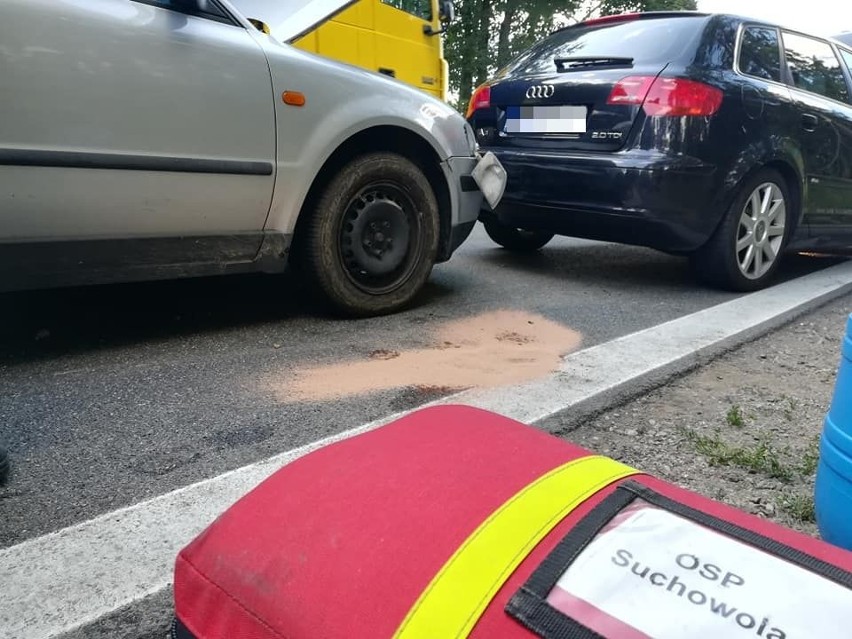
<point x="656" y="378"/>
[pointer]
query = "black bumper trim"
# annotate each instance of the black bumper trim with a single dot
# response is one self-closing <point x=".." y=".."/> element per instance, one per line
<point x="468" y="184"/>
<point x="126" y="162"/>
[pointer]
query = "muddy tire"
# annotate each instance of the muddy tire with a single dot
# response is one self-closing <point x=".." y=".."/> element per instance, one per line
<point x="517" y="240"/>
<point x="745" y="251"/>
<point x="371" y="241"/>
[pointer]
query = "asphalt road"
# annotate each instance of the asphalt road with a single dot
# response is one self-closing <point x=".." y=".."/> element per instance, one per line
<point x="114" y="394"/>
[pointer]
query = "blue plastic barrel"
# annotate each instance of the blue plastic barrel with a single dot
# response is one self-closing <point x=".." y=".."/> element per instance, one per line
<point x="833" y="492"/>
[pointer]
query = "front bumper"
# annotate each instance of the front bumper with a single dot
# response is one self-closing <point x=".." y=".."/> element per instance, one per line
<point x="668" y="202"/>
<point x="466" y="199"/>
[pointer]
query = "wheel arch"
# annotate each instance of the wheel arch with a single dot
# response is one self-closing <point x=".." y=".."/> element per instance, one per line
<point x="785" y="161"/>
<point x="717" y="261"/>
<point x="796" y="186"/>
<point x="383" y="138"/>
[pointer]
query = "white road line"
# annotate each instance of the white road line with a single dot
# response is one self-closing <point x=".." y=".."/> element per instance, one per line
<point x="58" y="582"/>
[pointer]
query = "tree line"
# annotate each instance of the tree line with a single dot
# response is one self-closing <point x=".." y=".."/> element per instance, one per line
<point x="489" y="33"/>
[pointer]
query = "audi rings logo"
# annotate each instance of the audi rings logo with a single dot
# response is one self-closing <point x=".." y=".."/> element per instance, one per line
<point x="540" y="91"/>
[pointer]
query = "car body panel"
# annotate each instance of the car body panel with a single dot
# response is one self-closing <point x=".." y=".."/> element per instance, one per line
<point x="827" y="150"/>
<point x="116" y="95"/>
<point x="52" y="263"/>
<point x="309" y="135"/>
<point x="141" y="142"/>
<point x="630" y="196"/>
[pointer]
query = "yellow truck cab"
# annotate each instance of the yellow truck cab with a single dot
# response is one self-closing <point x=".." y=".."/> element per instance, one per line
<point x="400" y="38"/>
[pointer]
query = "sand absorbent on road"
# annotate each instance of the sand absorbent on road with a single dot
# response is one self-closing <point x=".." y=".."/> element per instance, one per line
<point x="484" y="351"/>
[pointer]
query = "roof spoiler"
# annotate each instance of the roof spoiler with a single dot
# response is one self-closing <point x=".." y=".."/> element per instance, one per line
<point x="629" y="17"/>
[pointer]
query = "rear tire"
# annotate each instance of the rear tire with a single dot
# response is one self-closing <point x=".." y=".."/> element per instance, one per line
<point x="370" y="243"/>
<point x="514" y="239"/>
<point x="745" y="251"/>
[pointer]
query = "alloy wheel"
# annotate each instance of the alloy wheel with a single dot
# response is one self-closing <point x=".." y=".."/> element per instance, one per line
<point x="761" y="230"/>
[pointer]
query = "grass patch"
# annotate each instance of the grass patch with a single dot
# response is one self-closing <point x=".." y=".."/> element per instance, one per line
<point x="810" y="459"/>
<point x="735" y="417"/>
<point x="760" y="458"/>
<point x="799" y="507"/>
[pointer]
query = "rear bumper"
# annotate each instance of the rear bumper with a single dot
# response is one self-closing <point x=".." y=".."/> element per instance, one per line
<point x="650" y="199"/>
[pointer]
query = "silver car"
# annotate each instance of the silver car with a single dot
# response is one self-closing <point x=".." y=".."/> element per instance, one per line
<point x="152" y="139"/>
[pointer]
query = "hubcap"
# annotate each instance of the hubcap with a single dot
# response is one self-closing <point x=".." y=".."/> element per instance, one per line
<point x="761" y="230"/>
<point x="379" y="238"/>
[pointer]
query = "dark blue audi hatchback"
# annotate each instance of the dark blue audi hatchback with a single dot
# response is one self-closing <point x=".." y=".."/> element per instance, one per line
<point x="708" y="136"/>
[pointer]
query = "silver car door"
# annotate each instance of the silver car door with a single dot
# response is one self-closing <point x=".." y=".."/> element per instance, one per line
<point x="132" y="118"/>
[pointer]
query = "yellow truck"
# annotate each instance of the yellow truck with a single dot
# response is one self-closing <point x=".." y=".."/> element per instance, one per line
<point x="400" y="38"/>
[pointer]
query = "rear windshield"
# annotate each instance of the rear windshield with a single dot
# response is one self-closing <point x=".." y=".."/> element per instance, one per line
<point x="647" y="41"/>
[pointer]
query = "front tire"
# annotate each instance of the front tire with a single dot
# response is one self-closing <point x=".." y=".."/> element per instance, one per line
<point x="745" y="251"/>
<point x="372" y="239"/>
<point x="514" y="239"/>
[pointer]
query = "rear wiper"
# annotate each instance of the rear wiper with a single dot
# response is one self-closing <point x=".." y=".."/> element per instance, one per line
<point x="581" y="62"/>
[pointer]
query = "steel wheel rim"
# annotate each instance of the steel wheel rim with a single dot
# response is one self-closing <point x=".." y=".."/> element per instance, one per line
<point x="760" y="232"/>
<point x="379" y="238"/>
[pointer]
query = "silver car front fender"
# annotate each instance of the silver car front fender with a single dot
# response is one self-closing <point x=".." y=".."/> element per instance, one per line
<point x="342" y="101"/>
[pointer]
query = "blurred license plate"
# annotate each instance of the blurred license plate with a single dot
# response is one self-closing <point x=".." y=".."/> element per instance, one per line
<point x="546" y="119"/>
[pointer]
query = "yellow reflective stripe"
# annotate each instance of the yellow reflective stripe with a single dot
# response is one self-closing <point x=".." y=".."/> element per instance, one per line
<point x="459" y="594"/>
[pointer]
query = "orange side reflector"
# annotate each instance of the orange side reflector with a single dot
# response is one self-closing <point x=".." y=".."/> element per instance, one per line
<point x="293" y="98"/>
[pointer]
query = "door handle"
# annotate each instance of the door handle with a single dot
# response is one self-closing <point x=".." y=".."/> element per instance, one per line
<point x="809" y="122"/>
<point x="386" y="71"/>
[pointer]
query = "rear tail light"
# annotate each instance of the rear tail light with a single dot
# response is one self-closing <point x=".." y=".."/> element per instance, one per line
<point x="631" y="90"/>
<point x="481" y="99"/>
<point x="667" y="96"/>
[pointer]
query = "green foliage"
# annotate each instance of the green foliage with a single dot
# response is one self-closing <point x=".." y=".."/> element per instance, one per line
<point x="799" y="507"/>
<point x="609" y="7"/>
<point x="760" y="458"/>
<point x="487" y="34"/>
<point x="810" y="459"/>
<point x="735" y="417"/>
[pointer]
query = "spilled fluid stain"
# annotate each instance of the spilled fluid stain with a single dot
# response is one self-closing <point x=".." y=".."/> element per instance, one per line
<point x="484" y="351"/>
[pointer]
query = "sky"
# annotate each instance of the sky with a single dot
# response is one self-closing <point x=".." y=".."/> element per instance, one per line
<point x="820" y="17"/>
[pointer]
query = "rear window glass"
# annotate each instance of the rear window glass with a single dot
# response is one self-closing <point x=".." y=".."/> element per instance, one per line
<point x="647" y="41"/>
<point x="760" y="53"/>
<point x="814" y="67"/>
